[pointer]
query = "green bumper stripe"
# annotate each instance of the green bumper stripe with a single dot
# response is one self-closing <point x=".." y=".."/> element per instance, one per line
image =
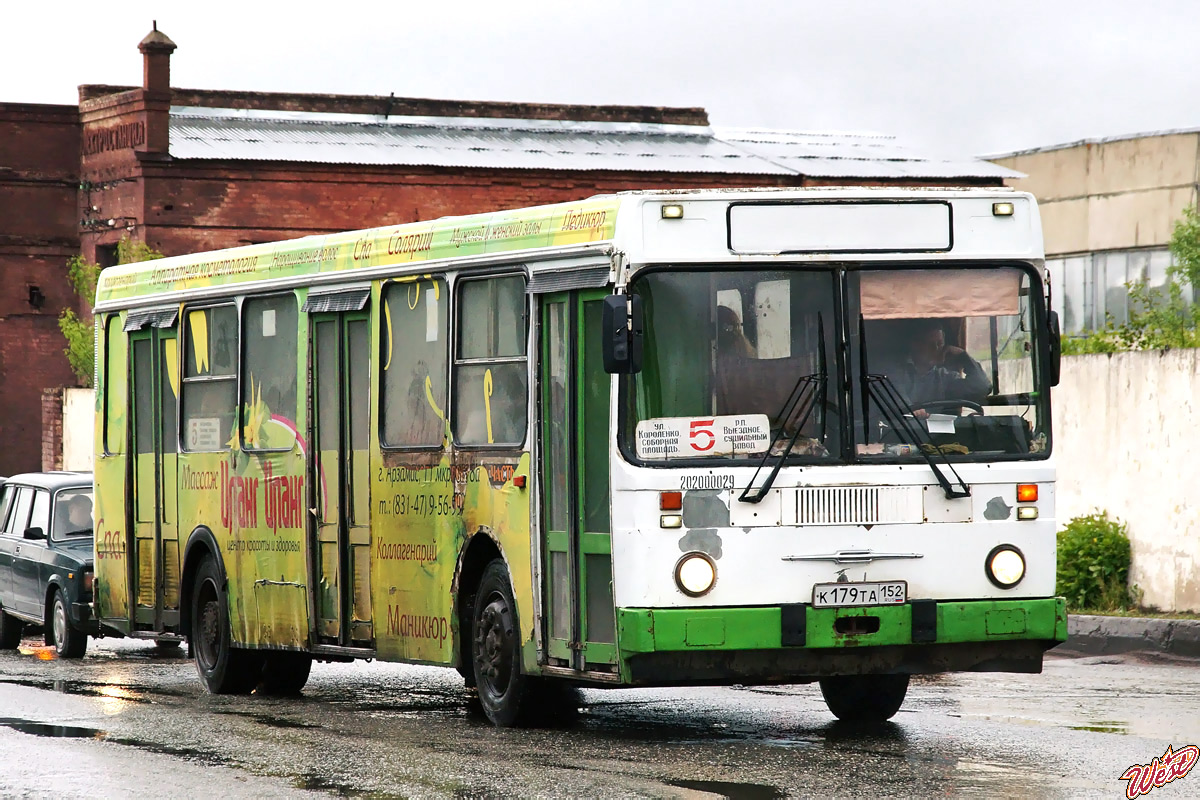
<point x="646" y="630"/>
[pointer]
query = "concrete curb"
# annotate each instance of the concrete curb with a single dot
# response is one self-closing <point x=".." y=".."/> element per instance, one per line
<point x="1096" y="635"/>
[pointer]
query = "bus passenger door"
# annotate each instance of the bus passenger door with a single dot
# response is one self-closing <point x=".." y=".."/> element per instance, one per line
<point x="153" y="543"/>
<point x="341" y="546"/>
<point x="576" y="532"/>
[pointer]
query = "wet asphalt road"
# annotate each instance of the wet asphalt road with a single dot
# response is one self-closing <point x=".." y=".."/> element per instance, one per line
<point x="128" y="720"/>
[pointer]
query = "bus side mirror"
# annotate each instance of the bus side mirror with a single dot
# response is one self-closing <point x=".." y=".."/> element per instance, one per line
<point x="1055" y="347"/>
<point x="621" y="333"/>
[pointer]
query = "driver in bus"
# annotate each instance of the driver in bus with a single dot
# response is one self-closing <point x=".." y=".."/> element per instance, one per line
<point x="935" y="372"/>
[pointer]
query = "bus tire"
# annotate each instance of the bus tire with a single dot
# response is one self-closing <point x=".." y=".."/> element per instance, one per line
<point x="864" y="698"/>
<point x="496" y="650"/>
<point x="223" y="668"/>
<point x="67" y="640"/>
<point x="285" y="673"/>
<point x="10" y="631"/>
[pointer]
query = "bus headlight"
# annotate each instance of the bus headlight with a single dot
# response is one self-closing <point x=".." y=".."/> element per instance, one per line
<point x="695" y="574"/>
<point x="1005" y="566"/>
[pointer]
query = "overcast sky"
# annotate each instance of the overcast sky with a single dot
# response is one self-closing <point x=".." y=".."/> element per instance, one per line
<point x="947" y="77"/>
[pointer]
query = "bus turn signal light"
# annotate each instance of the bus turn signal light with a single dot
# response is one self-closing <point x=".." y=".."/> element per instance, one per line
<point x="670" y="501"/>
<point x="1027" y="493"/>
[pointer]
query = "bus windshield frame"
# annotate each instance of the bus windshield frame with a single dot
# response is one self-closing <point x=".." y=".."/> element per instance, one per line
<point x="788" y="356"/>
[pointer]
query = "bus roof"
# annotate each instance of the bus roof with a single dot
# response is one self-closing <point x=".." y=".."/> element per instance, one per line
<point x="547" y="229"/>
<point x="539" y="227"/>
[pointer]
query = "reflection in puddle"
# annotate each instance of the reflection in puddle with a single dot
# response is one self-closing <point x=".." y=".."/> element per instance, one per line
<point x="1103" y="726"/>
<point x="734" y="791"/>
<point x="46" y="729"/>
<point x="40" y="652"/>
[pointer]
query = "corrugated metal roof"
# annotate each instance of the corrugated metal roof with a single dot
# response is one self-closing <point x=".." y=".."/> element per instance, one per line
<point x="1121" y="137"/>
<point x="249" y="135"/>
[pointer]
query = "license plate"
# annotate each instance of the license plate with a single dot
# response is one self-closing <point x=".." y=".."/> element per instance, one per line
<point x="841" y="595"/>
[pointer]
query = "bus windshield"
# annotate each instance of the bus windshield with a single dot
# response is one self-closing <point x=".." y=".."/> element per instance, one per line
<point x="742" y="363"/>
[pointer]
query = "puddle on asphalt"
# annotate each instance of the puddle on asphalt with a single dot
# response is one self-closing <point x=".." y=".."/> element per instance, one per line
<point x="55" y="731"/>
<point x="105" y="691"/>
<point x="734" y="791"/>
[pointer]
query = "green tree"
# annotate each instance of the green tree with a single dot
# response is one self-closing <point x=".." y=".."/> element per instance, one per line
<point x="83" y="274"/>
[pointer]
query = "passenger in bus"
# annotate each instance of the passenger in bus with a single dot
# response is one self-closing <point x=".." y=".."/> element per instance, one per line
<point x="935" y="372"/>
<point x="746" y="384"/>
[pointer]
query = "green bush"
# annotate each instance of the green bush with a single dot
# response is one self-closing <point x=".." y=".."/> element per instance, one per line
<point x="1093" y="563"/>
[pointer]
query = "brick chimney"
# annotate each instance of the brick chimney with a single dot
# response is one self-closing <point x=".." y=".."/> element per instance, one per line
<point x="156" y="51"/>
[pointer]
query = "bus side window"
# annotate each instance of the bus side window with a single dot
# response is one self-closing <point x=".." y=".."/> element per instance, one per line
<point x="269" y="325"/>
<point x="413" y="354"/>
<point x="114" y="385"/>
<point x="491" y="393"/>
<point x="209" y="377"/>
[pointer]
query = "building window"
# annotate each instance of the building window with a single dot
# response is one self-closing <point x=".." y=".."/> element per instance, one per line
<point x="1090" y="290"/>
<point x="490" y="373"/>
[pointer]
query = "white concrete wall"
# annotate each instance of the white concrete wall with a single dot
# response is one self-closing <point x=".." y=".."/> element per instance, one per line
<point x="79" y="415"/>
<point x="1125" y="437"/>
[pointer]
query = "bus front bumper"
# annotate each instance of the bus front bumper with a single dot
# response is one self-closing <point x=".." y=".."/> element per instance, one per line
<point x="793" y="644"/>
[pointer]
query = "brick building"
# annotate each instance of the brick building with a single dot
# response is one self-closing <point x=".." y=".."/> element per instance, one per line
<point x="186" y="170"/>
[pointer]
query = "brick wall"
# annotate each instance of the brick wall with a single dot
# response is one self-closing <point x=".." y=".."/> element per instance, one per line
<point x="52" y="429"/>
<point x="39" y="178"/>
<point x="204" y="206"/>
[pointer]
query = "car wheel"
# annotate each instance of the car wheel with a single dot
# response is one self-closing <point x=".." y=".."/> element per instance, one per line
<point x="285" y="673"/>
<point x="67" y="640"/>
<point x="223" y="668"/>
<point x="864" y="698"/>
<point x="10" y="631"/>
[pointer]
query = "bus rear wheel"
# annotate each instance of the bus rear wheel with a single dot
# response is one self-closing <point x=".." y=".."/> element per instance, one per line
<point x="864" y="698"/>
<point x="223" y="668"/>
<point x="285" y="673"/>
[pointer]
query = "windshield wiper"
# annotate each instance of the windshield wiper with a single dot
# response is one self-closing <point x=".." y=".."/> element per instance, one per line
<point x="808" y="393"/>
<point x="893" y="407"/>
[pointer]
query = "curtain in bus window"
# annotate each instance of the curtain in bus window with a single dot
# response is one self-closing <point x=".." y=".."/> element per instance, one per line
<point x="209" y="378"/>
<point x="413" y="352"/>
<point x="491" y="389"/>
<point x="269" y="384"/>
<point x="906" y="294"/>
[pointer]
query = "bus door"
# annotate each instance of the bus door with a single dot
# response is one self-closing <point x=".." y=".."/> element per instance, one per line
<point x="577" y="596"/>
<point x="153" y="540"/>
<point x="339" y="393"/>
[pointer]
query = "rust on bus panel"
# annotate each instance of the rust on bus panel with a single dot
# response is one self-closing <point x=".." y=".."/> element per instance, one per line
<point x="424" y="509"/>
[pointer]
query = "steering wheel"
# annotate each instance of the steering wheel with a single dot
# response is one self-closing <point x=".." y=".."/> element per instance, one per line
<point x="949" y="404"/>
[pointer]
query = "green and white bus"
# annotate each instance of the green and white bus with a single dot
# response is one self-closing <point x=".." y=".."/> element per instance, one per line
<point x="654" y="438"/>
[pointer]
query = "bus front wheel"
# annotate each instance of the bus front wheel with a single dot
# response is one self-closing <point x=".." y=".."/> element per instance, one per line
<point x="864" y="698"/>
<point x="223" y="668"/>
<point x="496" y="649"/>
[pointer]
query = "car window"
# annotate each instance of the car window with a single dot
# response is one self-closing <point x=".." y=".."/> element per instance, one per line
<point x="73" y="513"/>
<point x="18" y="518"/>
<point x="40" y="518"/>
<point x="6" y="501"/>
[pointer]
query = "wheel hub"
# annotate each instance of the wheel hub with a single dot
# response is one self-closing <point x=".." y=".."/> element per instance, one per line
<point x="493" y="642"/>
